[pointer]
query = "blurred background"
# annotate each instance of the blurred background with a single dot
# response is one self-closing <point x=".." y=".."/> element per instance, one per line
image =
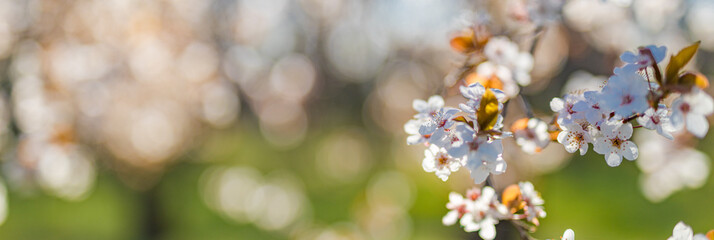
<point x="283" y="119"/>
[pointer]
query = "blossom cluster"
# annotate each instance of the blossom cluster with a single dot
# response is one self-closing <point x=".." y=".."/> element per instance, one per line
<point x="634" y="94"/>
<point x="637" y="95"/>
<point x="481" y="209"/>
<point x="469" y="136"/>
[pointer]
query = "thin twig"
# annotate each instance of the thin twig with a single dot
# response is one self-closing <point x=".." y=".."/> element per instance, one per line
<point x="526" y="106"/>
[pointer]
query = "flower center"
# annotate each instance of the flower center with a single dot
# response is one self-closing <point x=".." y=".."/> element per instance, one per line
<point x="473" y="146"/>
<point x="530" y="134"/>
<point x="579" y="138"/>
<point x="473" y="196"/>
<point x="462" y="210"/>
<point x="616" y="142"/>
<point x="626" y="100"/>
<point x="569" y="108"/>
<point x="442" y="159"/>
<point x="454" y="139"/>
<point x="442" y="123"/>
<point x="655" y="119"/>
<point x="685" y="107"/>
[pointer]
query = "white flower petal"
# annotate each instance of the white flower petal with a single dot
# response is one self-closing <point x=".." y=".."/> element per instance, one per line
<point x="419" y="105"/>
<point x="479" y="174"/>
<point x="557" y="104"/>
<point x="427" y="128"/>
<point x="697" y="125"/>
<point x="414" y="139"/>
<point x="625" y="131"/>
<point x="443" y="174"/>
<point x="677" y="119"/>
<point x="701" y="103"/>
<point x="610" y="128"/>
<point x="412" y="126"/>
<point x="499" y="168"/>
<point x="467" y="221"/>
<point x="665" y="132"/>
<point x="562" y="136"/>
<point x="658" y="52"/>
<point x="450" y="218"/>
<point x="628" y="57"/>
<point x="429" y="165"/>
<point x="459" y="150"/>
<point x="613" y="160"/>
<point x="455" y="198"/>
<point x="584" y="149"/>
<point x="682" y="231"/>
<point x="601" y="145"/>
<point x="436" y="101"/>
<point x="629" y="150"/>
<point x="569" y="234"/>
<point x="488" y="231"/>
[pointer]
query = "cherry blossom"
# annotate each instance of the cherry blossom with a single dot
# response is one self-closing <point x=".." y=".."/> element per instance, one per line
<point x="484" y="158"/>
<point x="462" y="146"/>
<point x="471" y="136"/>
<point x="575" y="137"/>
<point x="479" y="211"/>
<point x="531" y="134"/>
<point x="453" y="136"/>
<point x="594" y="114"/>
<point x="657" y="120"/>
<point x="501" y="50"/>
<point x="483" y="214"/>
<point x="642" y="58"/>
<point x="691" y="110"/>
<point x="438" y="123"/>
<point x="614" y="144"/>
<point x="458" y="207"/>
<point x="533" y="208"/>
<point x="437" y="160"/>
<point x="429" y="107"/>
<point x="565" y="108"/>
<point x="625" y="94"/>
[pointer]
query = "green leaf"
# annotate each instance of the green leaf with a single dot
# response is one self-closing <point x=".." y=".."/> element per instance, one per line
<point x="677" y="62"/>
<point x="488" y="111"/>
